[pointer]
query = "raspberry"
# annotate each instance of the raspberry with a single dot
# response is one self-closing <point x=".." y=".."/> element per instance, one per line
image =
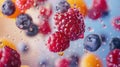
<point x="9" y="57"/>
<point x="115" y="43"/>
<point x="116" y="22"/>
<point x="113" y="58"/>
<point x="45" y="12"/>
<point x="58" y="42"/>
<point x="23" y="21"/>
<point x="92" y="42"/>
<point x="8" y="8"/>
<point x="44" y="28"/>
<point x="62" y="6"/>
<point x="63" y="62"/>
<point x="24" y="4"/>
<point x="94" y="13"/>
<point x="71" y="23"/>
<point x="100" y="4"/>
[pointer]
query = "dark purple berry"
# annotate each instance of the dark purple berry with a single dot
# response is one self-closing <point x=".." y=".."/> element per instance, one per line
<point x="104" y="14"/>
<point x="115" y="43"/>
<point x="62" y="6"/>
<point x="44" y="63"/>
<point x="74" y="60"/>
<point x="8" y="8"/>
<point x="32" y="30"/>
<point x="103" y="37"/>
<point x="92" y="42"/>
<point x="23" y="21"/>
<point x="23" y="47"/>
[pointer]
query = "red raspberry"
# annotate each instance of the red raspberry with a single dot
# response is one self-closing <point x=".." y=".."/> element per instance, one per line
<point x="94" y="13"/>
<point x="71" y="23"/>
<point x="116" y="22"/>
<point x="24" y="4"/>
<point x="58" y="42"/>
<point x="63" y="62"/>
<point x="9" y="57"/>
<point x="45" y="12"/>
<point x="100" y="4"/>
<point x="44" y="27"/>
<point x="113" y="58"/>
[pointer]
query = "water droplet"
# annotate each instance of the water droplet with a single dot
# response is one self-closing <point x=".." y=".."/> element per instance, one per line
<point x="8" y="36"/>
<point x="100" y="20"/>
<point x="90" y="29"/>
<point x="104" y="26"/>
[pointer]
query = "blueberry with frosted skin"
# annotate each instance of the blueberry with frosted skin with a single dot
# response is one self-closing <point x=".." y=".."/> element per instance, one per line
<point x="74" y="60"/>
<point x="115" y="43"/>
<point x="23" y="21"/>
<point x="62" y="6"/>
<point x="44" y="63"/>
<point x="23" y="47"/>
<point x="92" y="42"/>
<point x="8" y="8"/>
<point x="32" y="30"/>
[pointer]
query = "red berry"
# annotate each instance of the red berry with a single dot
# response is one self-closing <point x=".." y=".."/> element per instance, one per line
<point x="94" y="13"/>
<point x="24" y="4"/>
<point x="44" y="27"/>
<point x="9" y="57"/>
<point x="116" y="22"/>
<point x="63" y="62"/>
<point x="71" y="23"/>
<point x="45" y="12"/>
<point x="113" y="58"/>
<point x="58" y="42"/>
<point x="100" y="4"/>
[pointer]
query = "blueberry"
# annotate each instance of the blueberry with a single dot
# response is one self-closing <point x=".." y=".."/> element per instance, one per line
<point x="115" y="43"/>
<point x="23" y="47"/>
<point x="32" y="30"/>
<point x="104" y="14"/>
<point x="103" y="37"/>
<point x="8" y="8"/>
<point x="44" y="63"/>
<point x="62" y="6"/>
<point x="74" y="60"/>
<point x="23" y="21"/>
<point x="92" y="42"/>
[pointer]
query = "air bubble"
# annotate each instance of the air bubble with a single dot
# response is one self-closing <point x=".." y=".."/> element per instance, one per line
<point x="104" y="26"/>
<point x="90" y="29"/>
<point x="8" y="36"/>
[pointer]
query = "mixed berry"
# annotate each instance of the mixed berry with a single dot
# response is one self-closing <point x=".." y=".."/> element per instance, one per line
<point x="115" y="43"/>
<point x="58" y="42"/>
<point x="99" y="8"/>
<point x="113" y="58"/>
<point x="8" y="8"/>
<point x="92" y="42"/>
<point x="69" y="24"/>
<point x="62" y="6"/>
<point x="23" y="21"/>
<point x="116" y="23"/>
